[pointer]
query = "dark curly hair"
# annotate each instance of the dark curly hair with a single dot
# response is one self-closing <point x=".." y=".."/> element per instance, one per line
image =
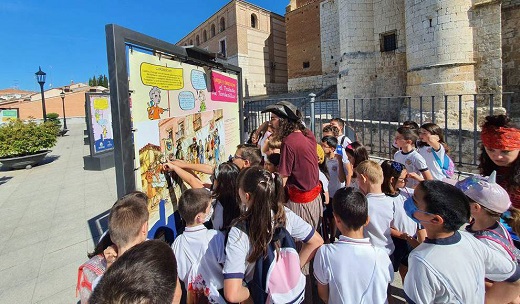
<point x="287" y="126"/>
<point x="486" y="165"/>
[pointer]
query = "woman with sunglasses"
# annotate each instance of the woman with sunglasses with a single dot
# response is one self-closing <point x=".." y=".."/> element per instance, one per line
<point x="406" y="234"/>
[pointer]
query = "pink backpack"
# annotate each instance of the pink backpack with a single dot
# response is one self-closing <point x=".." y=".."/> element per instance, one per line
<point x="277" y="277"/>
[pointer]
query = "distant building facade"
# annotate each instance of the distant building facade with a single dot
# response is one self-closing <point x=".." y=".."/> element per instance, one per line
<point x="250" y="37"/>
<point x="375" y="48"/>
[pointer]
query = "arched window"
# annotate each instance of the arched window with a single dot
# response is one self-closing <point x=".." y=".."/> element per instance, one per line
<point x="212" y="31"/>
<point x="222" y="24"/>
<point x="254" y="21"/>
<point x="191" y="41"/>
<point x="197" y="40"/>
<point x="204" y="36"/>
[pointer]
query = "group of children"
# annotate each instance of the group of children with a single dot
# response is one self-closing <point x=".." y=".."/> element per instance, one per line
<point x="401" y="215"/>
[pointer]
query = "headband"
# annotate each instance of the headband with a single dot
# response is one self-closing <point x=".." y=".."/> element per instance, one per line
<point x="501" y="138"/>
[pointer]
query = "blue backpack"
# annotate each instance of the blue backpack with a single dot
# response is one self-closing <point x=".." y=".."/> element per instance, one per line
<point x="277" y="277"/>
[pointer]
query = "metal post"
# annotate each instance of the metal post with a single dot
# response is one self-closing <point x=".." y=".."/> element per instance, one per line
<point x="43" y="103"/>
<point x="313" y="99"/>
<point x="64" y="117"/>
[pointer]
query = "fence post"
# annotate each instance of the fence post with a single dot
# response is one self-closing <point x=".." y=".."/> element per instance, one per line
<point x="313" y="99"/>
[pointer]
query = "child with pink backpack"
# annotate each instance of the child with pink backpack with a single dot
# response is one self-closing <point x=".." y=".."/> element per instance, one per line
<point x="260" y="249"/>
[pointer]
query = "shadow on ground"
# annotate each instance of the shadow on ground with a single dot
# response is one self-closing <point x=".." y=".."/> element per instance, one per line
<point x="48" y="159"/>
<point x="98" y="225"/>
<point x="4" y="179"/>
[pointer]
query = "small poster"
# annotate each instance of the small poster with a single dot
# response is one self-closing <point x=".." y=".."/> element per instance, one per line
<point x="102" y="137"/>
<point x="7" y="115"/>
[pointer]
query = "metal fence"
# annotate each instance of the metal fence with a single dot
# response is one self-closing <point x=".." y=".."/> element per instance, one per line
<point x="376" y="119"/>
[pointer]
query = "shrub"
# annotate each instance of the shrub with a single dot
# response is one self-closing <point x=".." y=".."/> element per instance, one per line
<point x="18" y="138"/>
<point x="54" y="118"/>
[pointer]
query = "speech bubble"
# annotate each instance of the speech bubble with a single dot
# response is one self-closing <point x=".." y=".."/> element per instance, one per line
<point x="162" y="77"/>
<point x="198" y="80"/>
<point x="186" y="100"/>
<point x="101" y="104"/>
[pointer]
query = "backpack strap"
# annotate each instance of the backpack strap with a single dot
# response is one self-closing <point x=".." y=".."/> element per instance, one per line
<point x="439" y="160"/>
<point x="342" y="140"/>
<point x="504" y="242"/>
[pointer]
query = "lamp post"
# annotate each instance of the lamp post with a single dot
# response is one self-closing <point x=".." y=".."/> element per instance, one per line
<point x="62" y="95"/>
<point x="40" y="77"/>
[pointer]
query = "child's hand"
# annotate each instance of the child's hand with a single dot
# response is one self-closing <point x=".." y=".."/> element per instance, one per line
<point x="110" y="254"/>
<point x="169" y="166"/>
<point x="415" y="176"/>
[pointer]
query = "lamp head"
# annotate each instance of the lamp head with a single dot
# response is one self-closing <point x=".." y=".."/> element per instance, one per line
<point x="40" y="76"/>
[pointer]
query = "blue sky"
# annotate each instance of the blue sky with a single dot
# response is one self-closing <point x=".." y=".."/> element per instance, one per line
<point x="67" y="38"/>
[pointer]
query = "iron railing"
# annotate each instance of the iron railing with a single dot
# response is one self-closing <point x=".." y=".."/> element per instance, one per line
<point x="376" y="119"/>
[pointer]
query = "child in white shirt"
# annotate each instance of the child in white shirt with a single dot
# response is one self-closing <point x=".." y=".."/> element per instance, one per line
<point x="450" y="265"/>
<point x="260" y="192"/>
<point x="432" y="148"/>
<point x="380" y="206"/>
<point x="352" y="270"/>
<point x="405" y="139"/>
<point x="199" y="251"/>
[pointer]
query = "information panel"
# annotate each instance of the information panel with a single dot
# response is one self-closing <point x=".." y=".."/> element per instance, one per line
<point x="179" y="111"/>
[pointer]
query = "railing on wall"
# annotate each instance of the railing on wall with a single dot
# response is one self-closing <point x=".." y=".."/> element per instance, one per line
<point x="376" y="119"/>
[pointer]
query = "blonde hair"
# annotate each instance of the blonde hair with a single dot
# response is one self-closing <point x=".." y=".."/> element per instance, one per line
<point x="274" y="144"/>
<point x="372" y="171"/>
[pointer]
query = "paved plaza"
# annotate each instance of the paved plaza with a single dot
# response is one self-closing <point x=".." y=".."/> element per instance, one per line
<point x="44" y="216"/>
<point x="47" y="217"/>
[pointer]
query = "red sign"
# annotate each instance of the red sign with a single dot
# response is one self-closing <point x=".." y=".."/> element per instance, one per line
<point x="223" y="88"/>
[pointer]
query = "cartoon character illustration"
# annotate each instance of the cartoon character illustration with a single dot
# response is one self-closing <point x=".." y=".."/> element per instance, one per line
<point x="202" y="98"/>
<point x="154" y="111"/>
<point x="201" y="152"/>
<point x="193" y="149"/>
<point x="179" y="154"/>
<point x="217" y="146"/>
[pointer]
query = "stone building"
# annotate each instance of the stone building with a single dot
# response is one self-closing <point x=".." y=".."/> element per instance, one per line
<point x="250" y="37"/>
<point x="377" y="48"/>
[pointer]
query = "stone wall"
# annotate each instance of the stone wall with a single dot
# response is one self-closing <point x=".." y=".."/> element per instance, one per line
<point x="511" y="51"/>
<point x="357" y="60"/>
<point x="330" y="48"/>
<point x="303" y="41"/>
<point x="390" y="74"/>
<point x="439" y="47"/>
<point x="305" y="83"/>
<point x="487" y="46"/>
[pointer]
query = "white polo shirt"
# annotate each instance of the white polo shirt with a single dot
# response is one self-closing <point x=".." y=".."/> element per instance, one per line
<point x="355" y="270"/>
<point x="452" y="270"/>
<point x="324" y="181"/>
<point x="427" y="153"/>
<point x="402" y="221"/>
<point x="238" y="246"/>
<point x="206" y="245"/>
<point x="414" y="162"/>
<point x="334" y="184"/>
<point x="381" y="212"/>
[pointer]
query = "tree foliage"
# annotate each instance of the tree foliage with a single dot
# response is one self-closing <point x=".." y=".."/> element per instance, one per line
<point x="101" y="80"/>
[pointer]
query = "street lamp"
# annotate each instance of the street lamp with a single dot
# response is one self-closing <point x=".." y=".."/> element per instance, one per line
<point x="40" y="77"/>
<point x="62" y="95"/>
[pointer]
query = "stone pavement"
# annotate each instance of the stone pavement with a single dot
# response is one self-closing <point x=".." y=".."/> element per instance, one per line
<point x="44" y="214"/>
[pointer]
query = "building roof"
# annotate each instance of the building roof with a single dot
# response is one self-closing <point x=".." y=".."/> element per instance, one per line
<point x="221" y="9"/>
